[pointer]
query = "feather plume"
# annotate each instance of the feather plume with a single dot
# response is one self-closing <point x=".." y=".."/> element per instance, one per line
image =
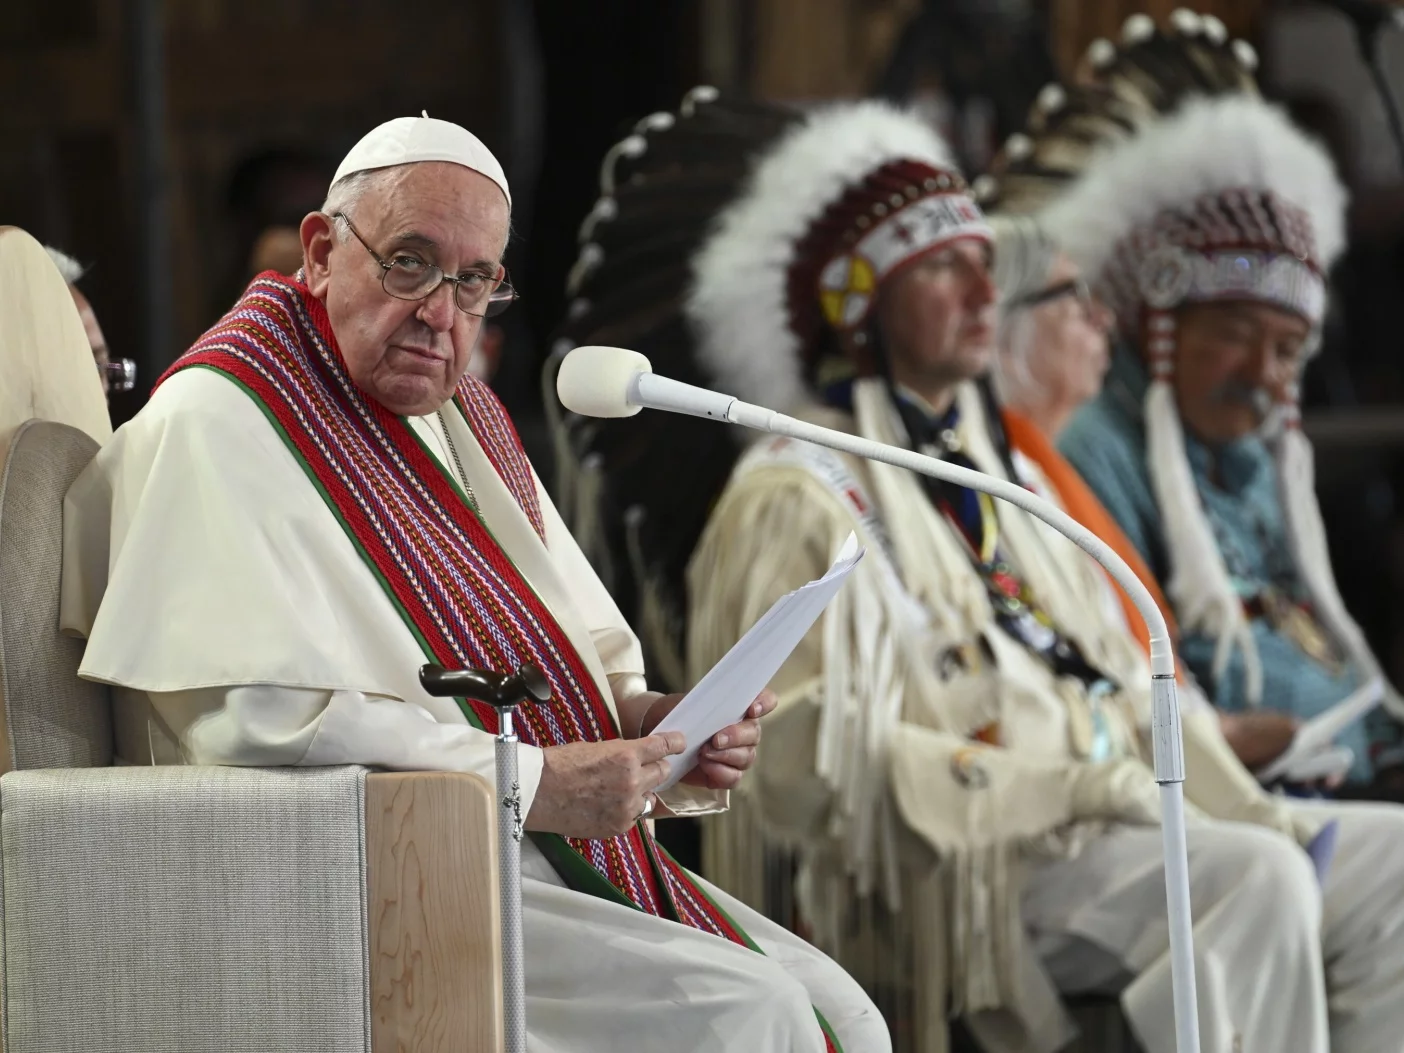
<point x="1118" y="90"/>
<point x="650" y="480"/>
<point x="1208" y="145"/>
<point x="753" y="352"/>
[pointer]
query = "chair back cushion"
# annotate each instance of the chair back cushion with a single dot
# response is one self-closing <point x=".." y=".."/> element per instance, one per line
<point x="51" y="718"/>
<point x="49" y="372"/>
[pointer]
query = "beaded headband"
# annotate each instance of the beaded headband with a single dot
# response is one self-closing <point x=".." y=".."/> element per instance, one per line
<point x="887" y="230"/>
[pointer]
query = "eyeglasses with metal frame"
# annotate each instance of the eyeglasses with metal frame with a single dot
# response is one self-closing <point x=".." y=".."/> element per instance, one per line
<point x="407" y="277"/>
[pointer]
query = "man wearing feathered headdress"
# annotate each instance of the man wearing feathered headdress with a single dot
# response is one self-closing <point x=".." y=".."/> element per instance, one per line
<point x="1209" y="232"/>
<point x="958" y="755"/>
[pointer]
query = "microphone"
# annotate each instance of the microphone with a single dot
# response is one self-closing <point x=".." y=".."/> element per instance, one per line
<point x="614" y="382"/>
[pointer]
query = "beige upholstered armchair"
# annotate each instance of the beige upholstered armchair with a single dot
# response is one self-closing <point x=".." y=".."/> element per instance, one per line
<point x="187" y="909"/>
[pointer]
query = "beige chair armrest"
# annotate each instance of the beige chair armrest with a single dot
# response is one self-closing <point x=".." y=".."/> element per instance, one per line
<point x="431" y="903"/>
<point x="186" y="909"/>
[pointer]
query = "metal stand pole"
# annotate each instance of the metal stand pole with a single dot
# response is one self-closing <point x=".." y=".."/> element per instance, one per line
<point x="503" y="693"/>
<point x="509" y="872"/>
<point x="1168" y="748"/>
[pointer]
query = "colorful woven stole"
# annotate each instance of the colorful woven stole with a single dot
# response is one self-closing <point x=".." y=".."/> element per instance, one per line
<point x="457" y="590"/>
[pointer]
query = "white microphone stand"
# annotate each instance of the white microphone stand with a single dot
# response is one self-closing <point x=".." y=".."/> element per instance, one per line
<point x="612" y="382"/>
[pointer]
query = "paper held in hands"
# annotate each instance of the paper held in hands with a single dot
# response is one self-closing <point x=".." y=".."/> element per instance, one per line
<point x="722" y="696"/>
<point x="1312" y="742"/>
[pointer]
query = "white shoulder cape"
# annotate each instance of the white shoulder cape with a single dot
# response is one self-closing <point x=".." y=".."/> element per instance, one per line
<point x="198" y="554"/>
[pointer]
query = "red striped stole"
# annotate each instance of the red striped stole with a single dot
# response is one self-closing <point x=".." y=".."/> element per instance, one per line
<point x="458" y="591"/>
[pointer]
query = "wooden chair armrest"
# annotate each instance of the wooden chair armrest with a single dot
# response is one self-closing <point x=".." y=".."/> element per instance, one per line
<point x="432" y="912"/>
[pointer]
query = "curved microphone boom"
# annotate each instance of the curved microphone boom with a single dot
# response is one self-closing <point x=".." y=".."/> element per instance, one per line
<point x="614" y="382"/>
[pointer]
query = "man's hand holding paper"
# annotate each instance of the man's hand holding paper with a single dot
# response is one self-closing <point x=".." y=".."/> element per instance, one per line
<point x="705" y="737"/>
<point x="729" y="753"/>
<point x="710" y="716"/>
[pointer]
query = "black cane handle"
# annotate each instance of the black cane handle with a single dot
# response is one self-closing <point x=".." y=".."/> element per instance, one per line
<point x="499" y="690"/>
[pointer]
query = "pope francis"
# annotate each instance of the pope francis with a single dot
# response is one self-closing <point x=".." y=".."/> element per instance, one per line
<point x="317" y="500"/>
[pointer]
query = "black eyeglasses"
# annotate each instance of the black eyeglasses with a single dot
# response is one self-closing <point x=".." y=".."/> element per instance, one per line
<point x="409" y="278"/>
<point x="1077" y="287"/>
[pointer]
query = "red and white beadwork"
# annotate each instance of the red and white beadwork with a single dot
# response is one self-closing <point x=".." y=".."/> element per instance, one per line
<point x="1234" y="244"/>
<point x="849" y="281"/>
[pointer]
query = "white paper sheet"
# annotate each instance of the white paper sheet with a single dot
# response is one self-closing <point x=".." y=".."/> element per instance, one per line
<point x="1316" y="735"/>
<point x="722" y="696"/>
<point x="1330" y="763"/>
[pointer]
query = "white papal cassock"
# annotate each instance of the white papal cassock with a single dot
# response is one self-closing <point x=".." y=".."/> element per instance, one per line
<point x="238" y="625"/>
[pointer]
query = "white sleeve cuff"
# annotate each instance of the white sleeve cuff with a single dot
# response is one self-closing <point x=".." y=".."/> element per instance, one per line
<point x="263" y="724"/>
<point x="683" y="800"/>
<point x="626" y="685"/>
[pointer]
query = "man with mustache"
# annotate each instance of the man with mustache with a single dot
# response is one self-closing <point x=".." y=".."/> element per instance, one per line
<point x="1216" y="272"/>
<point x="319" y="498"/>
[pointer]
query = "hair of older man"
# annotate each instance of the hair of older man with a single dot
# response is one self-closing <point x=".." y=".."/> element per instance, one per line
<point x="348" y="191"/>
<point x="1024" y="254"/>
<point x="68" y="267"/>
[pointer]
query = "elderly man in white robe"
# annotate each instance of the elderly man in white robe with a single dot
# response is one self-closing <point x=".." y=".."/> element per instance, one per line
<point x="317" y="500"/>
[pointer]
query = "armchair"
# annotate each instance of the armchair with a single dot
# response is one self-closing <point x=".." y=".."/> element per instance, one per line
<point x="187" y="909"/>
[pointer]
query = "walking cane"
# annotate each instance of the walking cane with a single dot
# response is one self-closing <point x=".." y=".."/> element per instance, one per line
<point x="502" y="691"/>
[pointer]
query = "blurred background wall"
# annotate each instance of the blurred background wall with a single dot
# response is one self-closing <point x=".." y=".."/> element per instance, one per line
<point x="158" y="140"/>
